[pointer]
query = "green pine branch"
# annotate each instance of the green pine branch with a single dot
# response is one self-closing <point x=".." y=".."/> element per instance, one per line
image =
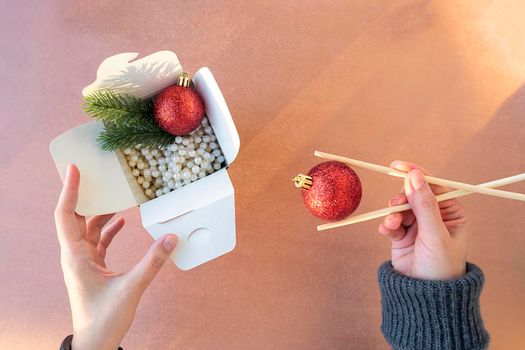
<point x="128" y="121"/>
<point x="108" y="106"/>
<point x="120" y="135"/>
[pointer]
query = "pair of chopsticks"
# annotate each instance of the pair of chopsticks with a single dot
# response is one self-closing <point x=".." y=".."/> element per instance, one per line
<point x="463" y="189"/>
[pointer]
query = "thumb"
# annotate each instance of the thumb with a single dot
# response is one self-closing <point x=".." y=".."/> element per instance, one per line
<point x="423" y="201"/>
<point x="147" y="268"/>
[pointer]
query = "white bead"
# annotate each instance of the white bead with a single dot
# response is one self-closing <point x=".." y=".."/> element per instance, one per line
<point x="198" y="139"/>
<point x="166" y="176"/>
<point x="171" y="184"/>
<point x="192" y="153"/>
<point x="178" y="139"/>
<point x="197" y="160"/>
<point x="213" y="145"/>
<point x="127" y="151"/>
<point x="206" y="155"/>
<point x="153" y="162"/>
<point x="139" y="146"/>
<point x="166" y="189"/>
<point x="186" y="173"/>
<point x="189" y="164"/>
<point x="135" y="172"/>
<point x="210" y="170"/>
<point x="146" y="184"/>
<point x="159" y="193"/>
<point x="177" y="176"/>
<point x="220" y="159"/>
<point x="147" y="172"/>
<point x="144" y="151"/>
<point x="216" y="152"/>
<point x="200" y="132"/>
<point x="185" y="142"/>
<point x="155" y="173"/>
<point x="155" y="152"/>
<point x="187" y="181"/>
<point x="212" y="157"/>
<point x="182" y="152"/>
<point x="206" y="139"/>
<point x="134" y="158"/>
<point x="195" y="169"/>
<point x="178" y="184"/>
<point x="179" y="167"/>
<point x="163" y="167"/>
<point x="205" y="164"/>
<point x="202" y="174"/>
<point x="148" y="157"/>
<point x="204" y="122"/>
<point x="208" y="130"/>
<point x="213" y="138"/>
<point x="158" y="182"/>
<point x="193" y="177"/>
<point x="200" y="151"/>
<point x="161" y="161"/>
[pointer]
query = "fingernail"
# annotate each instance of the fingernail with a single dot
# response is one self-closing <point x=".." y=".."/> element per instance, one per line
<point x="418" y="180"/>
<point x="396" y="164"/>
<point x="169" y="243"/>
<point x="396" y="199"/>
<point x="68" y="171"/>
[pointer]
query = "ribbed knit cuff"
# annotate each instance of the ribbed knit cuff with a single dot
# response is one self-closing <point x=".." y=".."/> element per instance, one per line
<point x="420" y="314"/>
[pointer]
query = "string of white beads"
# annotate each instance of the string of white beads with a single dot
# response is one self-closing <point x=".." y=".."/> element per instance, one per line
<point x="191" y="157"/>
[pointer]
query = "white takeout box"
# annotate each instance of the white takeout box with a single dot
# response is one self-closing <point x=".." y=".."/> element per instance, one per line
<point x="202" y="213"/>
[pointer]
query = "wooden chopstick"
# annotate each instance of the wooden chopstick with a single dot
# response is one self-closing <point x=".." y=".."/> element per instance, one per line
<point x="398" y="208"/>
<point x="429" y="179"/>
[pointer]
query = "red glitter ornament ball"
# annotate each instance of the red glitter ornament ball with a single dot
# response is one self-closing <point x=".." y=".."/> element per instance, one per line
<point x="179" y="109"/>
<point x="335" y="192"/>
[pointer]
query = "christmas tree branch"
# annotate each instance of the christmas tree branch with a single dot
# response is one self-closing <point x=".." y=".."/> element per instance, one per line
<point x="119" y="136"/>
<point x="122" y="108"/>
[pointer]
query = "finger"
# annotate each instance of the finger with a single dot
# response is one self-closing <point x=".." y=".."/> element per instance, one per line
<point x="107" y="235"/>
<point x="408" y="240"/>
<point x="408" y="216"/>
<point x="395" y="234"/>
<point x="142" y="274"/>
<point x="423" y="202"/>
<point x="94" y="226"/>
<point x="393" y="221"/>
<point x="407" y="166"/>
<point x="65" y="216"/>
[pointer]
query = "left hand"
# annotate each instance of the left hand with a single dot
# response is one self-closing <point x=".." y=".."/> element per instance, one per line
<point x="103" y="302"/>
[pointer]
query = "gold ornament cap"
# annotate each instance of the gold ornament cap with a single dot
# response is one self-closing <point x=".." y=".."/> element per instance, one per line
<point x="184" y="80"/>
<point x="303" y="181"/>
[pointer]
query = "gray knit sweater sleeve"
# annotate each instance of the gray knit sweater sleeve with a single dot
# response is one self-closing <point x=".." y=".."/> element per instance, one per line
<point x="420" y="314"/>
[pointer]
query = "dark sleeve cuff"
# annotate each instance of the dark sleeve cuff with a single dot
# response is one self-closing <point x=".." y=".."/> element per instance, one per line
<point x="66" y="343"/>
<point x="421" y="314"/>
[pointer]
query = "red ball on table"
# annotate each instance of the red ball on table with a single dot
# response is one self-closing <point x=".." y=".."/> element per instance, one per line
<point x="179" y="109"/>
<point x="335" y="191"/>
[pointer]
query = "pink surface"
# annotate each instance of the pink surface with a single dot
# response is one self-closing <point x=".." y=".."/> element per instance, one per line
<point x="432" y="82"/>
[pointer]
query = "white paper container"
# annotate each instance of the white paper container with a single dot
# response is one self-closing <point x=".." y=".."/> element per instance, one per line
<point x="202" y="213"/>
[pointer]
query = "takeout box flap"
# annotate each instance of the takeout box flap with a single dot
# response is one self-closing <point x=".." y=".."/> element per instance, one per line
<point x="218" y="113"/>
<point x="142" y="78"/>
<point x="186" y="199"/>
<point x="103" y="185"/>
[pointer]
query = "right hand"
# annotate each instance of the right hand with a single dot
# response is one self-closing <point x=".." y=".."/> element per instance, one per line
<point x="429" y="241"/>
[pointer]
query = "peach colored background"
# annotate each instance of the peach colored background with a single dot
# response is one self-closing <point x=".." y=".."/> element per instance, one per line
<point x="429" y="81"/>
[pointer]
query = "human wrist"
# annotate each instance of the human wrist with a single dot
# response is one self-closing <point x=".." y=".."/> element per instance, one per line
<point x="85" y="340"/>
